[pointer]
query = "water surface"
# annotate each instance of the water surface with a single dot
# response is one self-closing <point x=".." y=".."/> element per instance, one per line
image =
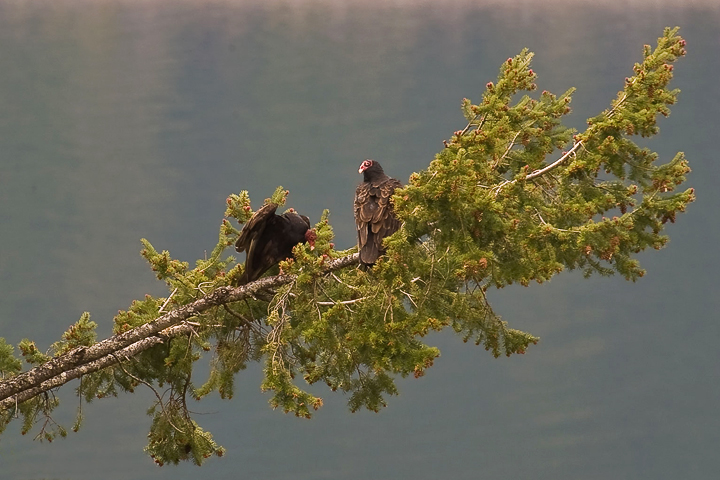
<point x="129" y="119"/>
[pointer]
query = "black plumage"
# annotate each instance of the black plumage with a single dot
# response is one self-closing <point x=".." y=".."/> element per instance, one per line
<point x="268" y="239"/>
<point x="374" y="215"/>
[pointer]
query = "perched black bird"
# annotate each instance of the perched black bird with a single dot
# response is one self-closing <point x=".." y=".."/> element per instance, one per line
<point x="374" y="215"/>
<point x="268" y="238"/>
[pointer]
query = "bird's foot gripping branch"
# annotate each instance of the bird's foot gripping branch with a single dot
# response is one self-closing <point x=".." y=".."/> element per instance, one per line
<point x="514" y="197"/>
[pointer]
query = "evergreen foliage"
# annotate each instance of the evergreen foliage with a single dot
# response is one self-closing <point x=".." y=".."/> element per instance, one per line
<point x="489" y="211"/>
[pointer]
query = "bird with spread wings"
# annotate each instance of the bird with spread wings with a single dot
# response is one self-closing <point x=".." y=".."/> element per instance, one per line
<point x="268" y="239"/>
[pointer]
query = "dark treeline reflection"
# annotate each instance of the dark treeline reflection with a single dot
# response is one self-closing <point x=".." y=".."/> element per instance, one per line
<point x="129" y="119"/>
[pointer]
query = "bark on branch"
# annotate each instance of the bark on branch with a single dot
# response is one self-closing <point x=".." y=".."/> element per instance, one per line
<point x="84" y="360"/>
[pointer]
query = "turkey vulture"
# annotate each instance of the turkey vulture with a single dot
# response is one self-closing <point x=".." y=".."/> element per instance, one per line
<point x="268" y="238"/>
<point x="374" y="215"/>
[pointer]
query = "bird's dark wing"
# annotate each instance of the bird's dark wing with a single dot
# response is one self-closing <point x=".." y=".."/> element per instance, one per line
<point x="273" y="242"/>
<point x="365" y="206"/>
<point x="264" y="252"/>
<point x="250" y="241"/>
<point x="255" y="226"/>
<point x="374" y="217"/>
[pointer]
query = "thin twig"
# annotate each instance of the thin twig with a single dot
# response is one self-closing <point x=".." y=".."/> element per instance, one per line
<point x="345" y="302"/>
<point x="557" y="162"/>
<point x="201" y="285"/>
<point x="540" y="217"/>
<point x="167" y="300"/>
<point x="480" y="124"/>
<point x="338" y="279"/>
<point x="409" y="297"/>
<point x="160" y="401"/>
<point x="512" y="144"/>
<point x="621" y="101"/>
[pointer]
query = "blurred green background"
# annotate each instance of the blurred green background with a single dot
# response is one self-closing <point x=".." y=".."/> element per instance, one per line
<point x="129" y="119"/>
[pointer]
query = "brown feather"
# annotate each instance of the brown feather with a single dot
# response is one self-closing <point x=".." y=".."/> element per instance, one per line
<point x="374" y="215"/>
<point x="255" y="226"/>
<point x="268" y="238"/>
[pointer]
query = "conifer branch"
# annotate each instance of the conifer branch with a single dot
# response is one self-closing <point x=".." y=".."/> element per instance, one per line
<point x="456" y="241"/>
<point x="84" y="360"/>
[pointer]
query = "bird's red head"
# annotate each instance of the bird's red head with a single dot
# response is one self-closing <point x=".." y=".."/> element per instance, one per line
<point x="365" y="165"/>
<point x="310" y="237"/>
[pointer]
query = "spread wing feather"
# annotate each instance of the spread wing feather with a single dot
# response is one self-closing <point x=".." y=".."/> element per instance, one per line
<point x="254" y="227"/>
<point x="258" y="251"/>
